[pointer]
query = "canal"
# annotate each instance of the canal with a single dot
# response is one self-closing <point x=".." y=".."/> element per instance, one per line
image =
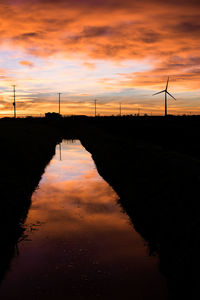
<point x="78" y="242"/>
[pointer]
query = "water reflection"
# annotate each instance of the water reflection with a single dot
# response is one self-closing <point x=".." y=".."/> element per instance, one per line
<point x="80" y="244"/>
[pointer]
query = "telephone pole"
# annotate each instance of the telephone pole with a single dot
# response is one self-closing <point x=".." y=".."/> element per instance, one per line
<point x="59" y="102"/>
<point x="60" y="148"/>
<point x="14" y="102"/>
<point x="95" y="107"/>
<point x="120" y="109"/>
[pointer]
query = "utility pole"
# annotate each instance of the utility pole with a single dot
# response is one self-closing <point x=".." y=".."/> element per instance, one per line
<point x="95" y="107"/>
<point x="60" y="148"/>
<point x="138" y="111"/>
<point x="120" y="109"/>
<point x="14" y="102"/>
<point x="59" y="102"/>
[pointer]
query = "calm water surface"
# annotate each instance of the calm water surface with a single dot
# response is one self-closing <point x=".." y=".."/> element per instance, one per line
<point x="80" y="244"/>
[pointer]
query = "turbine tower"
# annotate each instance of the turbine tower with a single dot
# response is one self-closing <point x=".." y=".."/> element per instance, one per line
<point x="166" y="92"/>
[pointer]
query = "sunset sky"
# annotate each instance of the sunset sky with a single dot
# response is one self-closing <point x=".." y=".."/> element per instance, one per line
<point x="110" y="50"/>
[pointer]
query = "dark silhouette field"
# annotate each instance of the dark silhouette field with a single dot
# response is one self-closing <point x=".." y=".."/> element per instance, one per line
<point x="26" y="149"/>
<point x="153" y="163"/>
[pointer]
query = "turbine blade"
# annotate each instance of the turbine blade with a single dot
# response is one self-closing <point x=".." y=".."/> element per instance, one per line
<point x="167" y="83"/>
<point x="170" y="95"/>
<point x="158" y="93"/>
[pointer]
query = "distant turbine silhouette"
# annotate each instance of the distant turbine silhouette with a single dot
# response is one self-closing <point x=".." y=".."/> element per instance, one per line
<point x="166" y="92"/>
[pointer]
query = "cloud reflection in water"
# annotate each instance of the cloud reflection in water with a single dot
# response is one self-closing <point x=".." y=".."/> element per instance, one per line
<point x="86" y="247"/>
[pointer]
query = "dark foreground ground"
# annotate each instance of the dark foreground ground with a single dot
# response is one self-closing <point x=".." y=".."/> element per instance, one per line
<point x="153" y="164"/>
<point x="25" y="150"/>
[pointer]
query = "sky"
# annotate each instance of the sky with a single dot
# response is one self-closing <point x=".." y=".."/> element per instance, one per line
<point x="114" y="51"/>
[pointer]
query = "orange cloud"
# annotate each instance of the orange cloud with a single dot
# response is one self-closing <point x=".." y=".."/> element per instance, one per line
<point x="26" y="63"/>
<point x="89" y="65"/>
<point x="108" y="29"/>
<point x="166" y="33"/>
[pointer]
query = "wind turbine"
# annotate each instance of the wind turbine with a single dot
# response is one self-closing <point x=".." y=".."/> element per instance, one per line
<point x="166" y="92"/>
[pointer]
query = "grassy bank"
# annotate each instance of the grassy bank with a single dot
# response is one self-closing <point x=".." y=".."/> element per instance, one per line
<point x="154" y="166"/>
<point x="26" y="148"/>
